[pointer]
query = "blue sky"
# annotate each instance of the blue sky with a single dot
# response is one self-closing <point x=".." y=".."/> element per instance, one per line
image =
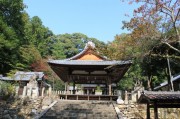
<point x="101" y="19"/>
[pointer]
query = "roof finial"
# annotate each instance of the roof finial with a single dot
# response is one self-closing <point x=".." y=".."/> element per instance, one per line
<point x="90" y="44"/>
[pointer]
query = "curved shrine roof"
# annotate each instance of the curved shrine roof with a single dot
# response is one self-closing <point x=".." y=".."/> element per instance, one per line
<point x="89" y="65"/>
<point x="88" y="62"/>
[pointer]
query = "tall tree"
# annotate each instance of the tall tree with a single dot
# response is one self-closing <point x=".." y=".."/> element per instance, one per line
<point x="38" y="35"/>
<point x="11" y="33"/>
<point x="164" y="15"/>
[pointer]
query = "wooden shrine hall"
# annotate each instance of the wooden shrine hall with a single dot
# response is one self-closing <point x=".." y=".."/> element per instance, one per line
<point x="90" y="70"/>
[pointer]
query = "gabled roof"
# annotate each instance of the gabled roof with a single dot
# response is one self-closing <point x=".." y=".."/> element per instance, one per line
<point x="88" y="62"/>
<point x="159" y="96"/>
<point x="6" y="78"/>
<point x="89" y="67"/>
<point x="90" y="46"/>
<point x="24" y="76"/>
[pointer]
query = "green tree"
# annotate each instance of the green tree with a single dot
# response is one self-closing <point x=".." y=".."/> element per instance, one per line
<point x="38" y="35"/>
<point x="72" y="44"/>
<point x="11" y="33"/>
<point x="58" y="51"/>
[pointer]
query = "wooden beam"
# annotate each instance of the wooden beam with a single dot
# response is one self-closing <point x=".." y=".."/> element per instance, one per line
<point x="175" y="105"/>
<point x="98" y="75"/>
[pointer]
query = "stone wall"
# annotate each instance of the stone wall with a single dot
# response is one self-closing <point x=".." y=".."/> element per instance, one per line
<point x="23" y="108"/>
<point x="138" y="111"/>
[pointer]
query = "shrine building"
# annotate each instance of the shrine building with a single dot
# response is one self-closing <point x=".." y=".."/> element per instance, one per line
<point x="90" y="70"/>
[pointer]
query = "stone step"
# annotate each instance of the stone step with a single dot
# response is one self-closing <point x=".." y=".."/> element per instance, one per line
<point x="81" y="110"/>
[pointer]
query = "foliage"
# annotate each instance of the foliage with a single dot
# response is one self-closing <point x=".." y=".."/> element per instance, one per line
<point x="11" y="33"/>
<point x="68" y="45"/>
<point x="56" y="84"/>
<point x="126" y="83"/>
<point x="154" y="37"/>
<point x="6" y="89"/>
<point x="98" y="89"/>
<point x="164" y="15"/>
<point x="38" y="35"/>
<point x="25" y="43"/>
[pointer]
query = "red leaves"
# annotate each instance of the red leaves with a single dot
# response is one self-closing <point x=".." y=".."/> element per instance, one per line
<point x="40" y="65"/>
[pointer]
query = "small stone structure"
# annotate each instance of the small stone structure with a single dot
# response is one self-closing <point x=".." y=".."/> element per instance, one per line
<point x="31" y="84"/>
<point x="136" y="93"/>
<point x="32" y="89"/>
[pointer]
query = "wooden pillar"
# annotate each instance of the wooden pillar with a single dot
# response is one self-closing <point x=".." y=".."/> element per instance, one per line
<point x="109" y="85"/>
<point x="74" y="88"/>
<point x="67" y="87"/>
<point x="106" y="89"/>
<point x="148" y="111"/>
<point x="155" y="110"/>
<point x="88" y="91"/>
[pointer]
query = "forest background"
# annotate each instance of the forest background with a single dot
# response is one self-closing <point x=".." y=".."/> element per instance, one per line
<point x="153" y="43"/>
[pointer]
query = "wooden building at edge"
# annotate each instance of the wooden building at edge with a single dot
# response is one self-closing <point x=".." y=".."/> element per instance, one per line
<point x="89" y="68"/>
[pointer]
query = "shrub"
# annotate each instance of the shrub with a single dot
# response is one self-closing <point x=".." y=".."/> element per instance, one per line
<point x="6" y="89"/>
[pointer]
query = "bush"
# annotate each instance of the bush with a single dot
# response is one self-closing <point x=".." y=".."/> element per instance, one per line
<point x="6" y="90"/>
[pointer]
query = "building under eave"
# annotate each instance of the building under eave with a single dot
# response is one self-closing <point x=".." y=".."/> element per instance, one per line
<point x="90" y="69"/>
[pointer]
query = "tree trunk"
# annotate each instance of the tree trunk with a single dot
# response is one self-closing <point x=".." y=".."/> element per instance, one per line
<point x="177" y="32"/>
<point x="170" y="83"/>
<point x="149" y="83"/>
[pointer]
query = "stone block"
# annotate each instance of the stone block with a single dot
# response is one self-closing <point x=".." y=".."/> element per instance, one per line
<point x="46" y="101"/>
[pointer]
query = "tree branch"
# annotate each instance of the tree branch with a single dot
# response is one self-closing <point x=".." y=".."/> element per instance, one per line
<point x="171" y="47"/>
<point x="167" y="8"/>
<point x="165" y="56"/>
<point x="166" y="13"/>
<point x="177" y="14"/>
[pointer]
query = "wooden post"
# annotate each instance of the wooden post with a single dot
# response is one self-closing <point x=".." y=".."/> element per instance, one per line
<point x="88" y="91"/>
<point x="73" y="87"/>
<point x="106" y="89"/>
<point x="155" y="110"/>
<point x="109" y="83"/>
<point x="148" y="111"/>
<point x="65" y="88"/>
